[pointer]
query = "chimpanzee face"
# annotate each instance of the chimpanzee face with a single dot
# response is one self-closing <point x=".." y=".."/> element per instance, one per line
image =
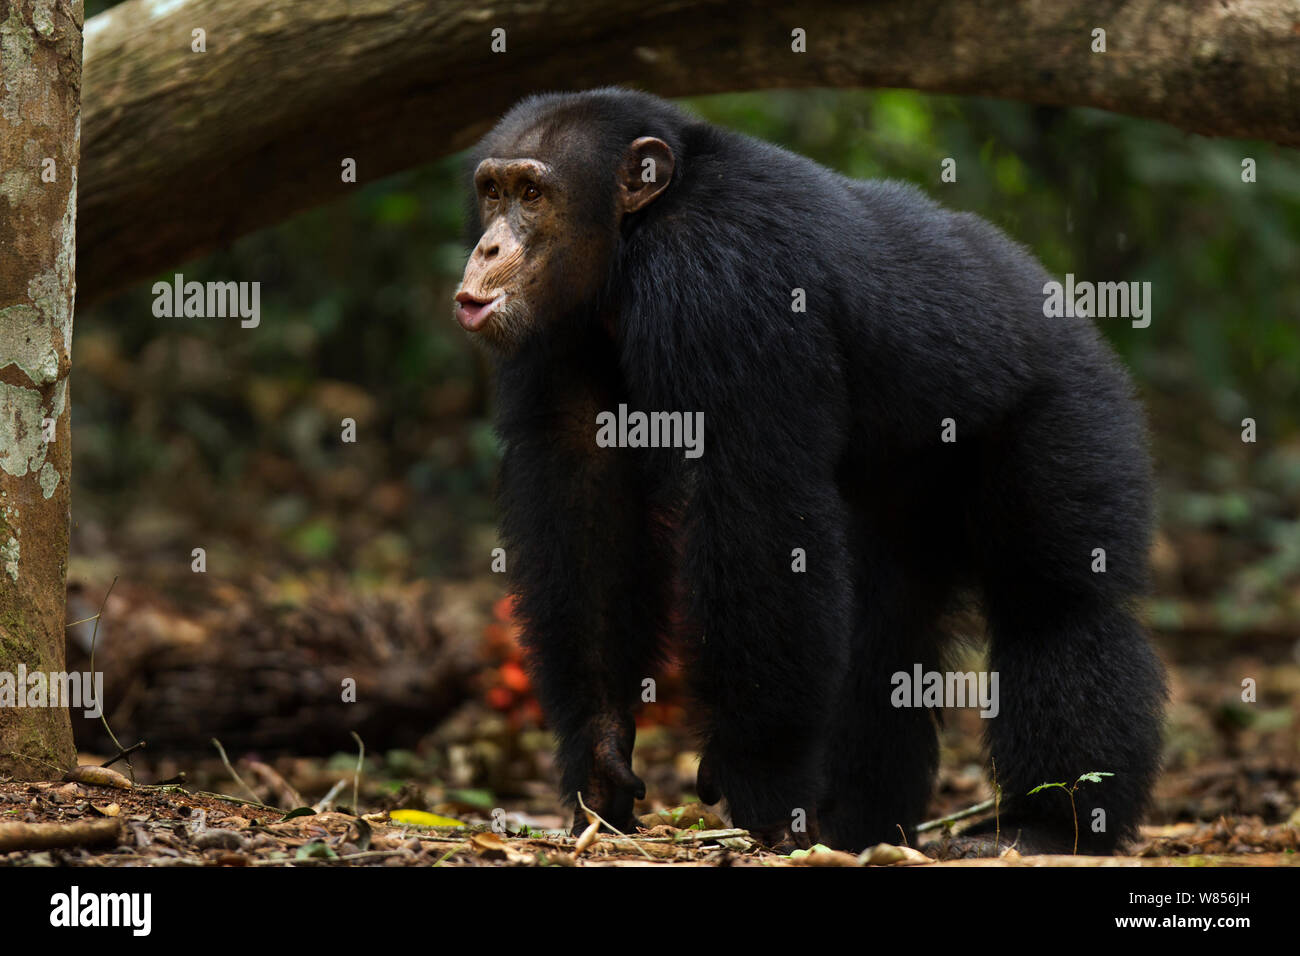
<point x="549" y="234"/>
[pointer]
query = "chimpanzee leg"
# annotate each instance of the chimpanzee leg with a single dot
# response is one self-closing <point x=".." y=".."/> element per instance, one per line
<point x="881" y="759"/>
<point x="769" y="641"/>
<point x="1081" y="690"/>
<point x="1064" y="527"/>
<point x="907" y="544"/>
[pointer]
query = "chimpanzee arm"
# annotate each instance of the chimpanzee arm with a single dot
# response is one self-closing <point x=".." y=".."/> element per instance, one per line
<point x="587" y="565"/>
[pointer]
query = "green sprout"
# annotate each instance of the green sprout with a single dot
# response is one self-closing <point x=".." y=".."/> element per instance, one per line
<point x="1092" y="776"/>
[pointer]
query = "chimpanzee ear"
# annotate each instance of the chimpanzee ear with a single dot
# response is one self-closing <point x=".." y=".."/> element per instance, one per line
<point x="647" y="170"/>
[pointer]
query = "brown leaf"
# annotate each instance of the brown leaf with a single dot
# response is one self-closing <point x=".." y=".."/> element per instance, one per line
<point x="489" y="846"/>
<point x="99" y="776"/>
<point x="824" y="856"/>
<point x="589" y="836"/>
<point x="886" y="854"/>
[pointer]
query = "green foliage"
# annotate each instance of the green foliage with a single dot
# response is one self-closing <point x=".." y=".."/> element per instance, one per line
<point x="1092" y="776"/>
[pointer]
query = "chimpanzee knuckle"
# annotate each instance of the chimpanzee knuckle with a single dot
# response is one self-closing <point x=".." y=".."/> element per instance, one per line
<point x="617" y="770"/>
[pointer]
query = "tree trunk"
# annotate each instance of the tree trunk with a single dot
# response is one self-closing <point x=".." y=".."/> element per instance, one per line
<point x="186" y="151"/>
<point x="40" y="137"/>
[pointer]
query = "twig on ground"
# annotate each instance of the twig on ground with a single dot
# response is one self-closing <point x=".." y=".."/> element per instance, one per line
<point x="103" y="718"/>
<point x="954" y="817"/>
<point x="356" y="779"/>
<point x="593" y="814"/>
<point x="289" y="797"/>
<point x="327" y="801"/>
<point x="226" y="760"/>
<point x="121" y="754"/>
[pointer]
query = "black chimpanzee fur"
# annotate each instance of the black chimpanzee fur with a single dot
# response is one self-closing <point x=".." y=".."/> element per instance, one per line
<point x="823" y="432"/>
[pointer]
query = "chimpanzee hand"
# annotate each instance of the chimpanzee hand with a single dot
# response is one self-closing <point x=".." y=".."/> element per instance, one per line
<point x="611" y="787"/>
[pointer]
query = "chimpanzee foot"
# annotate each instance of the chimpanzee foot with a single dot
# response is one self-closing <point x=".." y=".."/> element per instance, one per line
<point x="966" y="847"/>
<point x="1025" y="841"/>
<point x="783" y="838"/>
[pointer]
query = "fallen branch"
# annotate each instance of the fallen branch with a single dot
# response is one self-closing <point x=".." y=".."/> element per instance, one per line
<point x="46" y="836"/>
<point x="182" y="153"/>
<point x="952" y="818"/>
<point x="289" y="797"/>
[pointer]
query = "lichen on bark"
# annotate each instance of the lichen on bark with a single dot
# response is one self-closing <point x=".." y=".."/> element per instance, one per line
<point x="40" y="86"/>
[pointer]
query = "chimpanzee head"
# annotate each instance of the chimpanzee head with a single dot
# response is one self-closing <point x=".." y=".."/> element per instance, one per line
<point x="553" y="187"/>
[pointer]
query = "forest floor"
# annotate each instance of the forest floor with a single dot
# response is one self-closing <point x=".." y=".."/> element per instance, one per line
<point x="1230" y="794"/>
<point x="106" y="825"/>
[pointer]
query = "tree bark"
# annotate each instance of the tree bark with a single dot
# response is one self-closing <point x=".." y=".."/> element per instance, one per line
<point x="40" y="136"/>
<point x="186" y="151"/>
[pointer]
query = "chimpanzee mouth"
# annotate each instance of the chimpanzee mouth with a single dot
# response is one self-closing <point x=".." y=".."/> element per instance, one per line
<point x="472" y="312"/>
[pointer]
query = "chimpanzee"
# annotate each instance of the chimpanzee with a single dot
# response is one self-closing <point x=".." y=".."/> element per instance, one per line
<point x="889" y="422"/>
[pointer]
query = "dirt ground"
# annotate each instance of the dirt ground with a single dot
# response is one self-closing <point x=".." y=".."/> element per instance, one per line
<point x="167" y="826"/>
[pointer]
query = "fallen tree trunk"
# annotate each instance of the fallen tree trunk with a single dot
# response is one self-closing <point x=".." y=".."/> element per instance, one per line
<point x="185" y="151"/>
<point x="267" y="676"/>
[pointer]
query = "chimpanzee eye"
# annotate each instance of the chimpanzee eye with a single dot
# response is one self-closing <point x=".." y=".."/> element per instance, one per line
<point x="531" y="193"/>
<point x="490" y="190"/>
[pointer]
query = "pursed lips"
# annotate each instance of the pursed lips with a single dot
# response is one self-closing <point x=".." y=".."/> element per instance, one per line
<point x="472" y="311"/>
